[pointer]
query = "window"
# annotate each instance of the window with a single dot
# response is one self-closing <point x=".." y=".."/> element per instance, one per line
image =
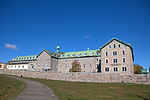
<point x="124" y="69"/>
<point x="109" y="46"/>
<point x="46" y="65"/>
<point x="78" y="54"/>
<point x="115" y="69"/>
<point x="106" y="53"/>
<point x="83" y="65"/>
<point x="114" y="53"/>
<point x="115" y="60"/>
<point x="91" y="53"/>
<point x="32" y="66"/>
<point x="39" y="59"/>
<point x="22" y="66"/>
<point x="114" y="45"/>
<point x="106" y="60"/>
<point x="97" y="53"/>
<point x="85" y="53"/>
<point x="123" y="60"/>
<point x="106" y="69"/>
<point x="119" y="45"/>
<point x="97" y="59"/>
<point x="0" y="66"/>
<point x="123" y="52"/>
<point x="90" y="65"/>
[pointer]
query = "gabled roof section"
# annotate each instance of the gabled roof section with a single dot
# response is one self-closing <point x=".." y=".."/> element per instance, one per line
<point x="23" y="58"/>
<point x="129" y="45"/>
<point x="56" y="55"/>
<point x="87" y="53"/>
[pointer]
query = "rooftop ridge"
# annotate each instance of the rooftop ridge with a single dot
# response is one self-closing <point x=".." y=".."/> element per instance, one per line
<point x="81" y="51"/>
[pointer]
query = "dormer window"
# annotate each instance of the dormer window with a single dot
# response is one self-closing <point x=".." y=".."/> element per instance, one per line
<point x="85" y="53"/>
<point x="91" y="53"/>
<point x="67" y="55"/>
<point x="78" y="54"/>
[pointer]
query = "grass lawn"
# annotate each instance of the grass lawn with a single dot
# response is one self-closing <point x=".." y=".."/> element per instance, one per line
<point x="10" y="88"/>
<point x="97" y="91"/>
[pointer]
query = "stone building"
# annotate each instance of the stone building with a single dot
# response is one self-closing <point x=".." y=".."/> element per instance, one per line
<point x="113" y="57"/>
<point x="2" y="66"/>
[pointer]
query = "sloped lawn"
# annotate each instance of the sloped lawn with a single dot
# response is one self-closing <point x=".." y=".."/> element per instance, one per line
<point x="97" y="91"/>
<point x="10" y="88"/>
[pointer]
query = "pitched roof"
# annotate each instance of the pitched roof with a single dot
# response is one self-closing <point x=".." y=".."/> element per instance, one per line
<point x="129" y="45"/>
<point x="80" y="54"/>
<point x="50" y="53"/>
<point x="87" y="53"/>
<point x="22" y="58"/>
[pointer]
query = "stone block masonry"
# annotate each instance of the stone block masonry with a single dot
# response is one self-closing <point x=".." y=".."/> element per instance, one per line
<point x="83" y="77"/>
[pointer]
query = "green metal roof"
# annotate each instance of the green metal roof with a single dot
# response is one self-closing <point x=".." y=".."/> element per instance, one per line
<point x="80" y="54"/>
<point x="87" y="53"/>
<point x="22" y="58"/>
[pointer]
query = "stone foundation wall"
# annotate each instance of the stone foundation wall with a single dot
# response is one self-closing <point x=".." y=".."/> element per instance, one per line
<point x="83" y="77"/>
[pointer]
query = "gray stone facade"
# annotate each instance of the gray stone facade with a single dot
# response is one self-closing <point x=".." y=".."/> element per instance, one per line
<point x="113" y="57"/>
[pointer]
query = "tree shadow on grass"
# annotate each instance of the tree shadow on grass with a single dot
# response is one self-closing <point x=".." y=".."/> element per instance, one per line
<point x="142" y="97"/>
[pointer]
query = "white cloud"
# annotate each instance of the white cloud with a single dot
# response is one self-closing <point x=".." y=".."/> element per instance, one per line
<point x="11" y="46"/>
<point x="86" y="36"/>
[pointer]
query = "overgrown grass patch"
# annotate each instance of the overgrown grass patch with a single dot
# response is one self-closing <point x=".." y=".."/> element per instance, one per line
<point x="97" y="91"/>
<point x="10" y="87"/>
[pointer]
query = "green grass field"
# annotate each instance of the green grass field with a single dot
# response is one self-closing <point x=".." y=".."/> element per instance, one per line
<point x="97" y="91"/>
<point x="10" y="88"/>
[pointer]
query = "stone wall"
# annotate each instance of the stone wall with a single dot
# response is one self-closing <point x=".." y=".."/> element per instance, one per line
<point x="83" y="77"/>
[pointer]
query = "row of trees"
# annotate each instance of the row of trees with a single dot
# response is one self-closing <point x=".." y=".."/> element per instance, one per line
<point x="76" y="67"/>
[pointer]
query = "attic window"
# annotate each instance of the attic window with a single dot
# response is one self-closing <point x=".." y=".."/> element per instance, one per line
<point x="78" y="54"/>
<point x="109" y="46"/>
<point x="114" y="45"/>
<point x="67" y="55"/>
<point x="85" y="53"/>
<point x="91" y="53"/>
<point x="119" y="45"/>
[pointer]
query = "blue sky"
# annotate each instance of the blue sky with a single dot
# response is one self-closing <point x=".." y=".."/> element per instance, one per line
<point x="29" y="26"/>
